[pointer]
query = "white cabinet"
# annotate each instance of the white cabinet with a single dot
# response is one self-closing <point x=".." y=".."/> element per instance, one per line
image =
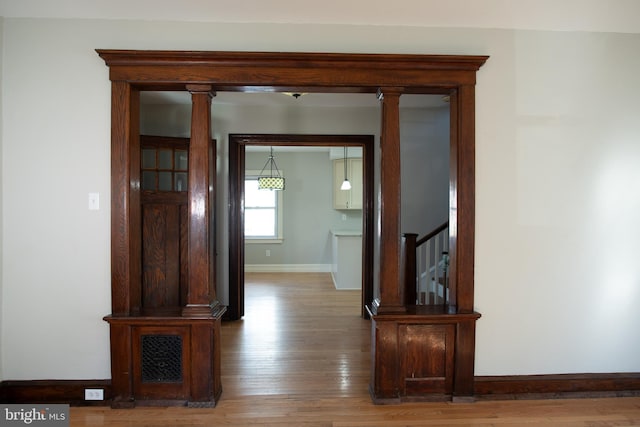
<point x="346" y="270"/>
<point x="347" y="199"/>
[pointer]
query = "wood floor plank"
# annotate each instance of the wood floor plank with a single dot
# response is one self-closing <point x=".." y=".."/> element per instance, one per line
<point x="301" y="357"/>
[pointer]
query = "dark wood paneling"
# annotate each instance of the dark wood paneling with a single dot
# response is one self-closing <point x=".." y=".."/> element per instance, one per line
<point x="423" y="354"/>
<point x="427" y="358"/>
<point x="160" y="256"/>
<point x="184" y="253"/>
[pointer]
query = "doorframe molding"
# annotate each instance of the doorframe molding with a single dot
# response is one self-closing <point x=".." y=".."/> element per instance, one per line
<point x="237" y="145"/>
<point x="391" y="76"/>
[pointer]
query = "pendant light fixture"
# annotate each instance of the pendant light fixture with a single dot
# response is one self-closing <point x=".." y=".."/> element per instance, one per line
<point x="270" y="177"/>
<point x="346" y="185"/>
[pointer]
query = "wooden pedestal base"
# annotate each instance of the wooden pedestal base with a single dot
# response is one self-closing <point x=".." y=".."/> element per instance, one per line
<point x="165" y="360"/>
<point x="423" y="354"/>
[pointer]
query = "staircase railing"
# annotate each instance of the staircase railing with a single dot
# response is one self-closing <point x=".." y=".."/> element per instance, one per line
<point x="426" y="267"/>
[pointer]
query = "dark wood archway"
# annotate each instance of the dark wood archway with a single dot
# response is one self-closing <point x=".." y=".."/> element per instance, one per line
<point x="403" y="336"/>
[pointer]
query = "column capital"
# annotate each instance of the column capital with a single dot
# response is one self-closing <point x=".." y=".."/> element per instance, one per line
<point x="397" y="91"/>
<point x="201" y="88"/>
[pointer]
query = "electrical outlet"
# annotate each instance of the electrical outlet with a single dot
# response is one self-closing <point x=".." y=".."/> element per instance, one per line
<point x="268" y="252"/>
<point x="93" y="394"/>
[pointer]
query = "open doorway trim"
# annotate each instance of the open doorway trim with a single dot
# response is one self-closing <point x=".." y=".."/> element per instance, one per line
<point x="395" y="349"/>
<point x="237" y="144"/>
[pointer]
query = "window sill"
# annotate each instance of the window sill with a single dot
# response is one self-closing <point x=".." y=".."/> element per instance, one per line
<point x="270" y="241"/>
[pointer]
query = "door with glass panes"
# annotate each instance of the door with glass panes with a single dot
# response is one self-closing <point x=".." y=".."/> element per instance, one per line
<point x="164" y="214"/>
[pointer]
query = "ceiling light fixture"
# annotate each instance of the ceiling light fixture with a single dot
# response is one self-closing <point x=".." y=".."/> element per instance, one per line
<point x="346" y="185"/>
<point x="272" y="181"/>
<point x="295" y="95"/>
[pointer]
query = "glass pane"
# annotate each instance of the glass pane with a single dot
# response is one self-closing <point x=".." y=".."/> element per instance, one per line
<point x="165" y="159"/>
<point x="181" y="160"/>
<point x="181" y="181"/>
<point x="258" y="198"/>
<point x="164" y="181"/>
<point x="148" y="158"/>
<point x="148" y="180"/>
<point x="260" y="222"/>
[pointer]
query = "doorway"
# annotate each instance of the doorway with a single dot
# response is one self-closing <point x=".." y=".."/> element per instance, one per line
<point x="237" y="152"/>
<point x="396" y="346"/>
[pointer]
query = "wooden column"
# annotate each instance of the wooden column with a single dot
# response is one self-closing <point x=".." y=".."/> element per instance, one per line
<point x="125" y="199"/>
<point x="391" y="299"/>
<point x="462" y="235"/>
<point x="462" y="198"/>
<point x="201" y="294"/>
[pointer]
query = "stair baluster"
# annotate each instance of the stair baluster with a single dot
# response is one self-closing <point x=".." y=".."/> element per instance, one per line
<point x="426" y="266"/>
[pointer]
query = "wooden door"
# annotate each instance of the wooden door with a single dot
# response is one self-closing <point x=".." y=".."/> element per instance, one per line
<point x="164" y="217"/>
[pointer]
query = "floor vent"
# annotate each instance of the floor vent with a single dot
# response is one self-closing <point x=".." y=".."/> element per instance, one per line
<point x="161" y="358"/>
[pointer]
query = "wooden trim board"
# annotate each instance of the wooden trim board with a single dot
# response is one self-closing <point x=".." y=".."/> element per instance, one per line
<point x="486" y="388"/>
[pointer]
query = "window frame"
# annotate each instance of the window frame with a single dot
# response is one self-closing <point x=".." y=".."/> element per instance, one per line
<point x="253" y="175"/>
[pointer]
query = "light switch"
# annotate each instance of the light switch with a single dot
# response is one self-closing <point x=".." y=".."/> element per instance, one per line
<point x="94" y="201"/>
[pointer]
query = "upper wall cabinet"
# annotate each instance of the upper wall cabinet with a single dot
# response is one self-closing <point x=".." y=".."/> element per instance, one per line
<point x="347" y="199"/>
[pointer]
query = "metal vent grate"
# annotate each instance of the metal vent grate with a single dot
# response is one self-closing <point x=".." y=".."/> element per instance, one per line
<point x="161" y="358"/>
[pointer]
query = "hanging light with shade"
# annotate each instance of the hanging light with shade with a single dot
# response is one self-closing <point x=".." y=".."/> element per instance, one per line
<point x="270" y="177"/>
<point x="346" y="185"/>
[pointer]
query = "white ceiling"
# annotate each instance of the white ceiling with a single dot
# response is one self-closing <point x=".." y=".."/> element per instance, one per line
<point x="555" y="15"/>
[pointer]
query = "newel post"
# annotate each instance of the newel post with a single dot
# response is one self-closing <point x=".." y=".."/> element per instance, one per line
<point x="409" y="269"/>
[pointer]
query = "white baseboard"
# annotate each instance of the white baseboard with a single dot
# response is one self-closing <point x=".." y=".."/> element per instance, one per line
<point x="287" y="268"/>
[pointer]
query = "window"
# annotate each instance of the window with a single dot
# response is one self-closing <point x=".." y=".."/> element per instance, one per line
<point x="164" y="169"/>
<point x="262" y="212"/>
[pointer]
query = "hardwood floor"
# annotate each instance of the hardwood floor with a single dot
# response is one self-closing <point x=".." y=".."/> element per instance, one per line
<point x="299" y="337"/>
<point x="300" y="357"/>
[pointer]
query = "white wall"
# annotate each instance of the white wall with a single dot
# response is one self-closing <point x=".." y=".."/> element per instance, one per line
<point x="424" y="145"/>
<point x="557" y="280"/>
<point x="308" y="211"/>
<point x="558" y="144"/>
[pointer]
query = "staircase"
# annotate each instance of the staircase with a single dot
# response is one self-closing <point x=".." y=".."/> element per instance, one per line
<point x="426" y="266"/>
